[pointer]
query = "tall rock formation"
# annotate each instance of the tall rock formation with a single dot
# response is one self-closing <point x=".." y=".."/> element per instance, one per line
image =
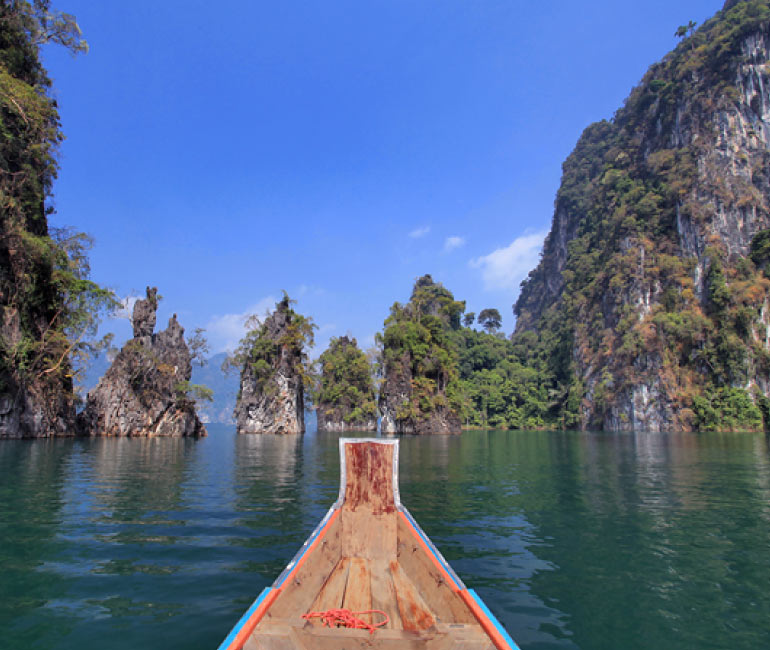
<point x="47" y="304"/>
<point x="421" y="390"/>
<point x="651" y="302"/>
<point x="346" y="400"/>
<point x="144" y="391"/>
<point x="272" y="360"/>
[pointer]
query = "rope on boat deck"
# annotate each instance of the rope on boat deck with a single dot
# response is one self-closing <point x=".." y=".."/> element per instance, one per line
<point x="346" y="618"/>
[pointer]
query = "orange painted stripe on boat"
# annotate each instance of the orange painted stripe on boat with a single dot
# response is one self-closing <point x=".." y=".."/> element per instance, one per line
<point x="248" y="627"/>
<point x="448" y="579"/>
<point x="483" y="619"/>
<point x="310" y="548"/>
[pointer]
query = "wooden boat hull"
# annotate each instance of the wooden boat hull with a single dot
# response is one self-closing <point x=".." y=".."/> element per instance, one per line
<point x="369" y="553"/>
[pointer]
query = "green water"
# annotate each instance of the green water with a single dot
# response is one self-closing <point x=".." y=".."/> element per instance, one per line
<point x="573" y="540"/>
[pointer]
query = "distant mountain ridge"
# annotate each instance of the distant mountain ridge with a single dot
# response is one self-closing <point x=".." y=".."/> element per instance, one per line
<point x="651" y="304"/>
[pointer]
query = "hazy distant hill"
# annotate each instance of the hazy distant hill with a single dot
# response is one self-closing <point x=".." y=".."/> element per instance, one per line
<point x="225" y="387"/>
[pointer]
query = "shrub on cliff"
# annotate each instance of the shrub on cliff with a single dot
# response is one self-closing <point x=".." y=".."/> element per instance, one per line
<point x="345" y="388"/>
<point x="51" y="307"/>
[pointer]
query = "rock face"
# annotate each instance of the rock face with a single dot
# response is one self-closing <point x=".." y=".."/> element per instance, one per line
<point x="36" y="392"/>
<point x="144" y="314"/>
<point x="420" y="393"/>
<point x="647" y="280"/>
<point x="35" y="409"/>
<point x="143" y="392"/>
<point x="346" y="398"/>
<point x="271" y="397"/>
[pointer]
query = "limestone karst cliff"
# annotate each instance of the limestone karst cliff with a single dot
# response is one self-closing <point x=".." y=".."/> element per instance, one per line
<point x="345" y="399"/>
<point x="272" y="361"/>
<point x="143" y="393"/>
<point x="650" y="303"/>
<point x="421" y="391"/>
<point x="47" y="304"/>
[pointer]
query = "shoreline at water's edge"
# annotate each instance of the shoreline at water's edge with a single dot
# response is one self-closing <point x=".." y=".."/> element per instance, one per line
<point x="667" y="431"/>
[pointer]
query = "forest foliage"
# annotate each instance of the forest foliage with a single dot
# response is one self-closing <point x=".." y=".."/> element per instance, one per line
<point x="278" y="340"/>
<point x="51" y="306"/>
<point x="418" y="343"/>
<point x="625" y="190"/>
<point x="345" y="386"/>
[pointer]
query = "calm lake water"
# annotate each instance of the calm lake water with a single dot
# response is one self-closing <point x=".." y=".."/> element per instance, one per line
<point x="573" y="540"/>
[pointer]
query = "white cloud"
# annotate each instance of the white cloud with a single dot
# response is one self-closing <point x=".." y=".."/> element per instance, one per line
<point x="505" y="268"/>
<point x="224" y="332"/>
<point x="419" y="232"/>
<point x="453" y="242"/>
<point x="126" y="309"/>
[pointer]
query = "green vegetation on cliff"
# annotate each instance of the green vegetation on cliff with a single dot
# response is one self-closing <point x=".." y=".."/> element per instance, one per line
<point x="481" y="378"/>
<point x="420" y="357"/>
<point x="49" y="306"/>
<point x="276" y="343"/>
<point x="656" y="290"/>
<point x="502" y="383"/>
<point x="345" y="388"/>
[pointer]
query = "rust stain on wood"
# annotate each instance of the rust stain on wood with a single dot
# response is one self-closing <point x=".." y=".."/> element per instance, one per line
<point x="415" y="615"/>
<point x="369" y="471"/>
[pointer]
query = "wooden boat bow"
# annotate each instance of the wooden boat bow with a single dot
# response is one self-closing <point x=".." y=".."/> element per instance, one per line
<point x="368" y="553"/>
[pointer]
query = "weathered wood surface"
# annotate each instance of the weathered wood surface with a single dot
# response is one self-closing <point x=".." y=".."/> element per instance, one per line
<point x="429" y="580"/>
<point x="384" y="593"/>
<point x="304" y="586"/>
<point x="284" y="636"/>
<point x="415" y="615"/>
<point x="332" y="592"/>
<point x="358" y="591"/>
<point x="369" y="477"/>
<point x="370" y="558"/>
<point x="369" y="516"/>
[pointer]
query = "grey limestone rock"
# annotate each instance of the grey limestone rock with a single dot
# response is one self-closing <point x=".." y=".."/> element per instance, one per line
<point x="143" y="318"/>
<point x="38" y="406"/>
<point x="142" y="393"/>
<point x="271" y="398"/>
<point x="728" y="135"/>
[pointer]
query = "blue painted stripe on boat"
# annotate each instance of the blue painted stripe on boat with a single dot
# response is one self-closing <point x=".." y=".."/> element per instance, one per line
<point x="503" y="633"/>
<point x="433" y="549"/>
<point x="231" y="637"/>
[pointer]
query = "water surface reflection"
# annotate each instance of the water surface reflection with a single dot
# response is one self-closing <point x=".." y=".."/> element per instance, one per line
<point x="574" y="540"/>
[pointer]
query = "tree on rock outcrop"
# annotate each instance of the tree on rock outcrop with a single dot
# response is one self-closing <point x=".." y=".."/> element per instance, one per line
<point x="421" y="391"/>
<point x="345" y="398"/>
<point x="490" y="320"/>
<point x="49" y="308"/>
<point x="274" y="371"/>
<point x="648" y="309"/>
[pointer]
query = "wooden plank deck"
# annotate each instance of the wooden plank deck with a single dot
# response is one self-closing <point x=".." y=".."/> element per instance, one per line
<point x="370" y="558"/>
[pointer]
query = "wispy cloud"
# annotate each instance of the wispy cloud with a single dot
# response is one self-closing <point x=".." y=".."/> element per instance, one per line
<point x="225" y="331"/>
<point x="126" y="308"/>
<point x="308" y="290"/>
<point x="505" y="268"/>
<point x="450" y="243"/>
<point x="419" y="232"/>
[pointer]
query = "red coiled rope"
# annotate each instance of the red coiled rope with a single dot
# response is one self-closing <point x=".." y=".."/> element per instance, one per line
<point x="346" y="618"/>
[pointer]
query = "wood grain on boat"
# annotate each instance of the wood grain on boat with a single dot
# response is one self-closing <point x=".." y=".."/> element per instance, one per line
<point x="369" y="554"/>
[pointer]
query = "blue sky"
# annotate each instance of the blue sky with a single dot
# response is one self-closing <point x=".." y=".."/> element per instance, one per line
<point x="337" y="149"/>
